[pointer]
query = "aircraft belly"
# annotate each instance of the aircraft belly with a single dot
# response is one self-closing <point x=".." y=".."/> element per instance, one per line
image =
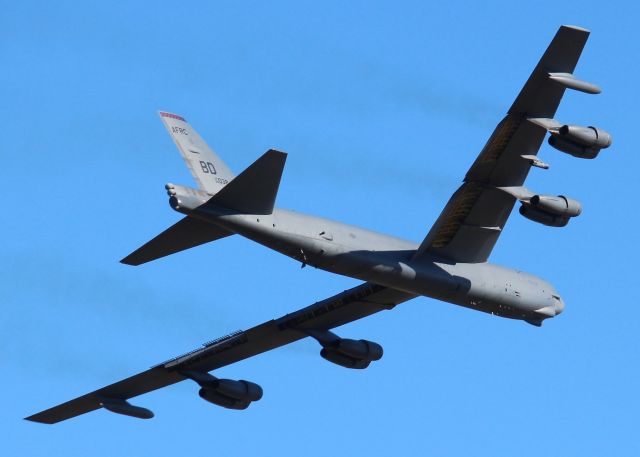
<point x="502" y="291"/>
<point x="314" y="241"/>
<point x="482" y="287"/>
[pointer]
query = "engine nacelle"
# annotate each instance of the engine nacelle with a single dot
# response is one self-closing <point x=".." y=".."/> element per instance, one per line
<point x="578" y="141"/>
<point x="558" y="206"/>
<point x="542" y="217"/>
<point x="240" y="390"/>
<point x="229" y="393"/>
<point x="551" y="211"/>
<point x="216" y="398"/>
<point x="348" y="353"/>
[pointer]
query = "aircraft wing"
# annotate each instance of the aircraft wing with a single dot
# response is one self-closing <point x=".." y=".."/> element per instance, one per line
<point x="471" y="222"/>
<point x="340" y="309"/>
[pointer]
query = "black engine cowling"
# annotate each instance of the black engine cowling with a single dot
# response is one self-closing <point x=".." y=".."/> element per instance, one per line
<point x="229" y="393"/>
<point x="551" y="211"/>
<point x="348" y="353"/>
<point x="578" y="141"/>
<point x="216" y="398"/>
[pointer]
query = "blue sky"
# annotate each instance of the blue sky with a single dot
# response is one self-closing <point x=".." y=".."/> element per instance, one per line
<point x="382" y="107"/>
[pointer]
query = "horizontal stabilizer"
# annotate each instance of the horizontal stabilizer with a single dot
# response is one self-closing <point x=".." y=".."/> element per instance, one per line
<point x="187" y="233"/>
<point x="254" y="190"/>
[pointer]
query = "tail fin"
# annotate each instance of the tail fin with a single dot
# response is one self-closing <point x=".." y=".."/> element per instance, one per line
<point x="209" y="171"/>
<point x="253" y="192"/>
<point x="187" y="233"/>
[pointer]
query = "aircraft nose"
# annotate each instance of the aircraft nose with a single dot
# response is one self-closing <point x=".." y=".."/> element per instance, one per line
<point x="558" y="304"/>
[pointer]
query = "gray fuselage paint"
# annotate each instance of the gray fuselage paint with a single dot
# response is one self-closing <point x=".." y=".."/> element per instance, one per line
<point x="382" y="259"/>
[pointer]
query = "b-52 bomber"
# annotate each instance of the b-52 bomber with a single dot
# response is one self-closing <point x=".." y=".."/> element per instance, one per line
<point x="450" y="264"/>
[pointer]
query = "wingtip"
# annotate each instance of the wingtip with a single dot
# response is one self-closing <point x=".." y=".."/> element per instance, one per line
<point x="36" y="420"/>
<point x="127" y="261"/>
<point x="576" y="28"/>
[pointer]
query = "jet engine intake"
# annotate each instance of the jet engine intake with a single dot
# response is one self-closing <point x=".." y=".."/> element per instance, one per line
<point x="578" y="141"/>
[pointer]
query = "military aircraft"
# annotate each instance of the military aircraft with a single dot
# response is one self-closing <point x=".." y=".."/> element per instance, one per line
<point x="450" y="264"/>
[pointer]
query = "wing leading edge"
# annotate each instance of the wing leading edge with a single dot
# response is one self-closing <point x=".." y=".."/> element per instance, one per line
<point x="471" y="222"/>
<point x="350" y="305"/>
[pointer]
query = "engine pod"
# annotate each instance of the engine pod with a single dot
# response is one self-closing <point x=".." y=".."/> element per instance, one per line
<point x="339" y="358"/>
<point x="543" y="217"/>
<point x="360" y="349"/>
<point x="240" y="390"/>
<point x="587" y="136"/>
<point x="559" y="206"/>
<point x="578" y="141"/>
<point x="213" y="396"/>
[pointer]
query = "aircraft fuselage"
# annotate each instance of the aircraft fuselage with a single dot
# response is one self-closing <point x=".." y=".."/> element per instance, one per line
<point x="382" y="259"/>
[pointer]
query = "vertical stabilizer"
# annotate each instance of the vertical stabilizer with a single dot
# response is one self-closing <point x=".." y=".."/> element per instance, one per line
<point x="209" y="171"/>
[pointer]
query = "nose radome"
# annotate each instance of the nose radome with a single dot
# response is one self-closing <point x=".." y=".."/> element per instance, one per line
<point x="558" y="304"/>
